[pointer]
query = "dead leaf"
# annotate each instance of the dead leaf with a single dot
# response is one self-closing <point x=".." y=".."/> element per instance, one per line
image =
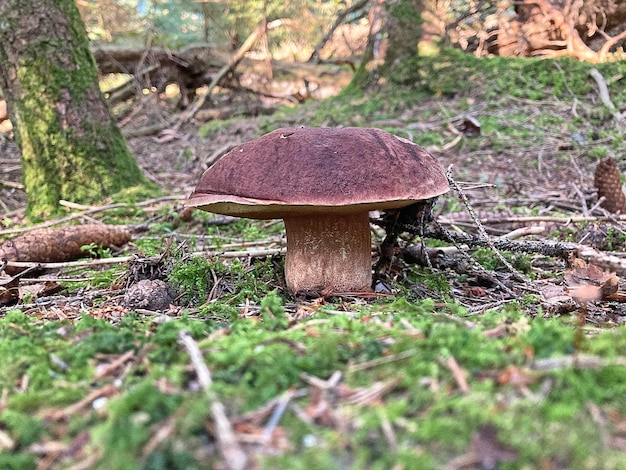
<point x="515" y="375"/>
<point x="41" y="289"/>
<point x="590" y="283"/>
<point x="556" y="299"/>
<point x="470" y="126"/>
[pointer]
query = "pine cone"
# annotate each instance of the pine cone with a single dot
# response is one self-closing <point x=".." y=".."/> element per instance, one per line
<point x="607" y="182"/>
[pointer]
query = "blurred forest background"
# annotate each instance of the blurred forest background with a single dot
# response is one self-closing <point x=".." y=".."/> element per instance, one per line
<point x="255" y="46"/>
<point x="274" y="49"/>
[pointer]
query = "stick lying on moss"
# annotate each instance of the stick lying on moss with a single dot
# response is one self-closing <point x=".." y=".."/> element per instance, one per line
<point x="60" y="244"/>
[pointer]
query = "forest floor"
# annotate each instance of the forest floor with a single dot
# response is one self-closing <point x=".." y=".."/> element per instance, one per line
<point x="484" y="360"/>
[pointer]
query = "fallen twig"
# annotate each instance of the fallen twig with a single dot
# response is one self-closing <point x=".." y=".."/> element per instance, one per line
<point x="255" y="253"/>
<point x="382" y="360"/>
<point x="547" y="248"/>
<point x="481" y="230"/>
<point x="529" y="219"/>
<point x="107" y="391"/>
<point x="279" y="410"/>
<point x="233" y="61"/>
<point x="234" y="456"/>
<point x="579" y="361"/>
<point x="603" y="89"/>
<point x="73" y="264"/>
<point x="458" y="373"/>
<point x="369" y="395"/>
<point x="109" y="368"/>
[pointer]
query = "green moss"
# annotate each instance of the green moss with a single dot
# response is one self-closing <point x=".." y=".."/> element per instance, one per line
<point x="273" y="312"/>
<point x="453" y="72"/>
<point x="128" y="425"/>
<point x="195" y="277"/>
<point x="13" y="461"/>
<point x="23" y="428"/>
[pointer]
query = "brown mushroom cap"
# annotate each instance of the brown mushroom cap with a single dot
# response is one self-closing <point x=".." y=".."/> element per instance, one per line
<point x="322" y="182"/>
<point x="291" y="172"/>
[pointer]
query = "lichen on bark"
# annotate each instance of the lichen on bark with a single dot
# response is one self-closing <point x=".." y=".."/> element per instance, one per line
<point x="71" y="147"/>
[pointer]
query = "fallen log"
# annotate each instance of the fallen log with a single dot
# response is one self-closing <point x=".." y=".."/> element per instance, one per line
<point x="59" y="244"/>
<point x="202" y="65"/>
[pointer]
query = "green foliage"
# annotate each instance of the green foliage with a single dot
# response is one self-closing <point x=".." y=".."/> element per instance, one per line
<point x="614" y="238"/>
<point x="437" y="282"/>
<point x="453" y="72"/>
<point x="273" y="312"/>
<point x="24" y="428"/>
<point x="263" y="357"/>
<point x="208" y="130"/>
<point x="96" y="251"/>
<point x="195" y="277"/>
<point x="130" y="418"/>
<point x="13" y="461"/>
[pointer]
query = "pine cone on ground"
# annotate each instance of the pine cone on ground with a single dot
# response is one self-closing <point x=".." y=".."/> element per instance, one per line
<point x="607" y="182"/>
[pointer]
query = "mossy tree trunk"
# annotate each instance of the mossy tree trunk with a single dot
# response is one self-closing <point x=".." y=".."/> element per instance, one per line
<point x="71" y="147"/>
<point x="401" y="22"/>
<point x="365" y="75"/>
<point x="404" y="28"/>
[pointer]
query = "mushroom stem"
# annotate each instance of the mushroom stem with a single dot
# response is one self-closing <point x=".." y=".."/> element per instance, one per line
<point x="329" y="251"/>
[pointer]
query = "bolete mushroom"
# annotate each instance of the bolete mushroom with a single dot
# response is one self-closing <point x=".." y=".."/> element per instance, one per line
<point x="322" y="182"/>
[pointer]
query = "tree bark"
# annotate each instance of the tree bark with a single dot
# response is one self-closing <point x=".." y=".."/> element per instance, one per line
<point x="404" y="28"/>
<point x="363" y="75"/>
<point x="71" y="147"/>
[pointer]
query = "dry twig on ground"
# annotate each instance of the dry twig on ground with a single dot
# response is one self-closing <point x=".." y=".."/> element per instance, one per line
<point x="234" y="457"/>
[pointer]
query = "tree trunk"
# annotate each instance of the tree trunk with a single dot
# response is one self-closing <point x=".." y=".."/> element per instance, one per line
<point x="364" y="76"/>
<point x="71" y="147"/>
<point x="404" y="27"/>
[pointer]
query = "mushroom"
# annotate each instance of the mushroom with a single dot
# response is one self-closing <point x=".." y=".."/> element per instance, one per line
<point x="322" y="182"/>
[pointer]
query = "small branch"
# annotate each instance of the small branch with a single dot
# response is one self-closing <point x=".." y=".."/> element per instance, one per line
<point x="547" y="248"/>
<point x="382" y="360"/>
<point x="279" y="410"/>
<point x="529" y="219"/>
<point x="604" y="95"/>
<point x="254" y="253"/>
<point x="110" y="368"/>
<point x="234" y="456"/>
<point x="562" y="250"/>
<point x="604" y="92"/>
<point x="106" y="391"/>
<point x="458" y="373"/>
<point x="341" y="16"/>
<point x="610" y="42"/>
<point x="482" y="231"/>
<point x="523" y="231"/>
<point x="582" y="362"/>
<point x="72" y="264"/>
